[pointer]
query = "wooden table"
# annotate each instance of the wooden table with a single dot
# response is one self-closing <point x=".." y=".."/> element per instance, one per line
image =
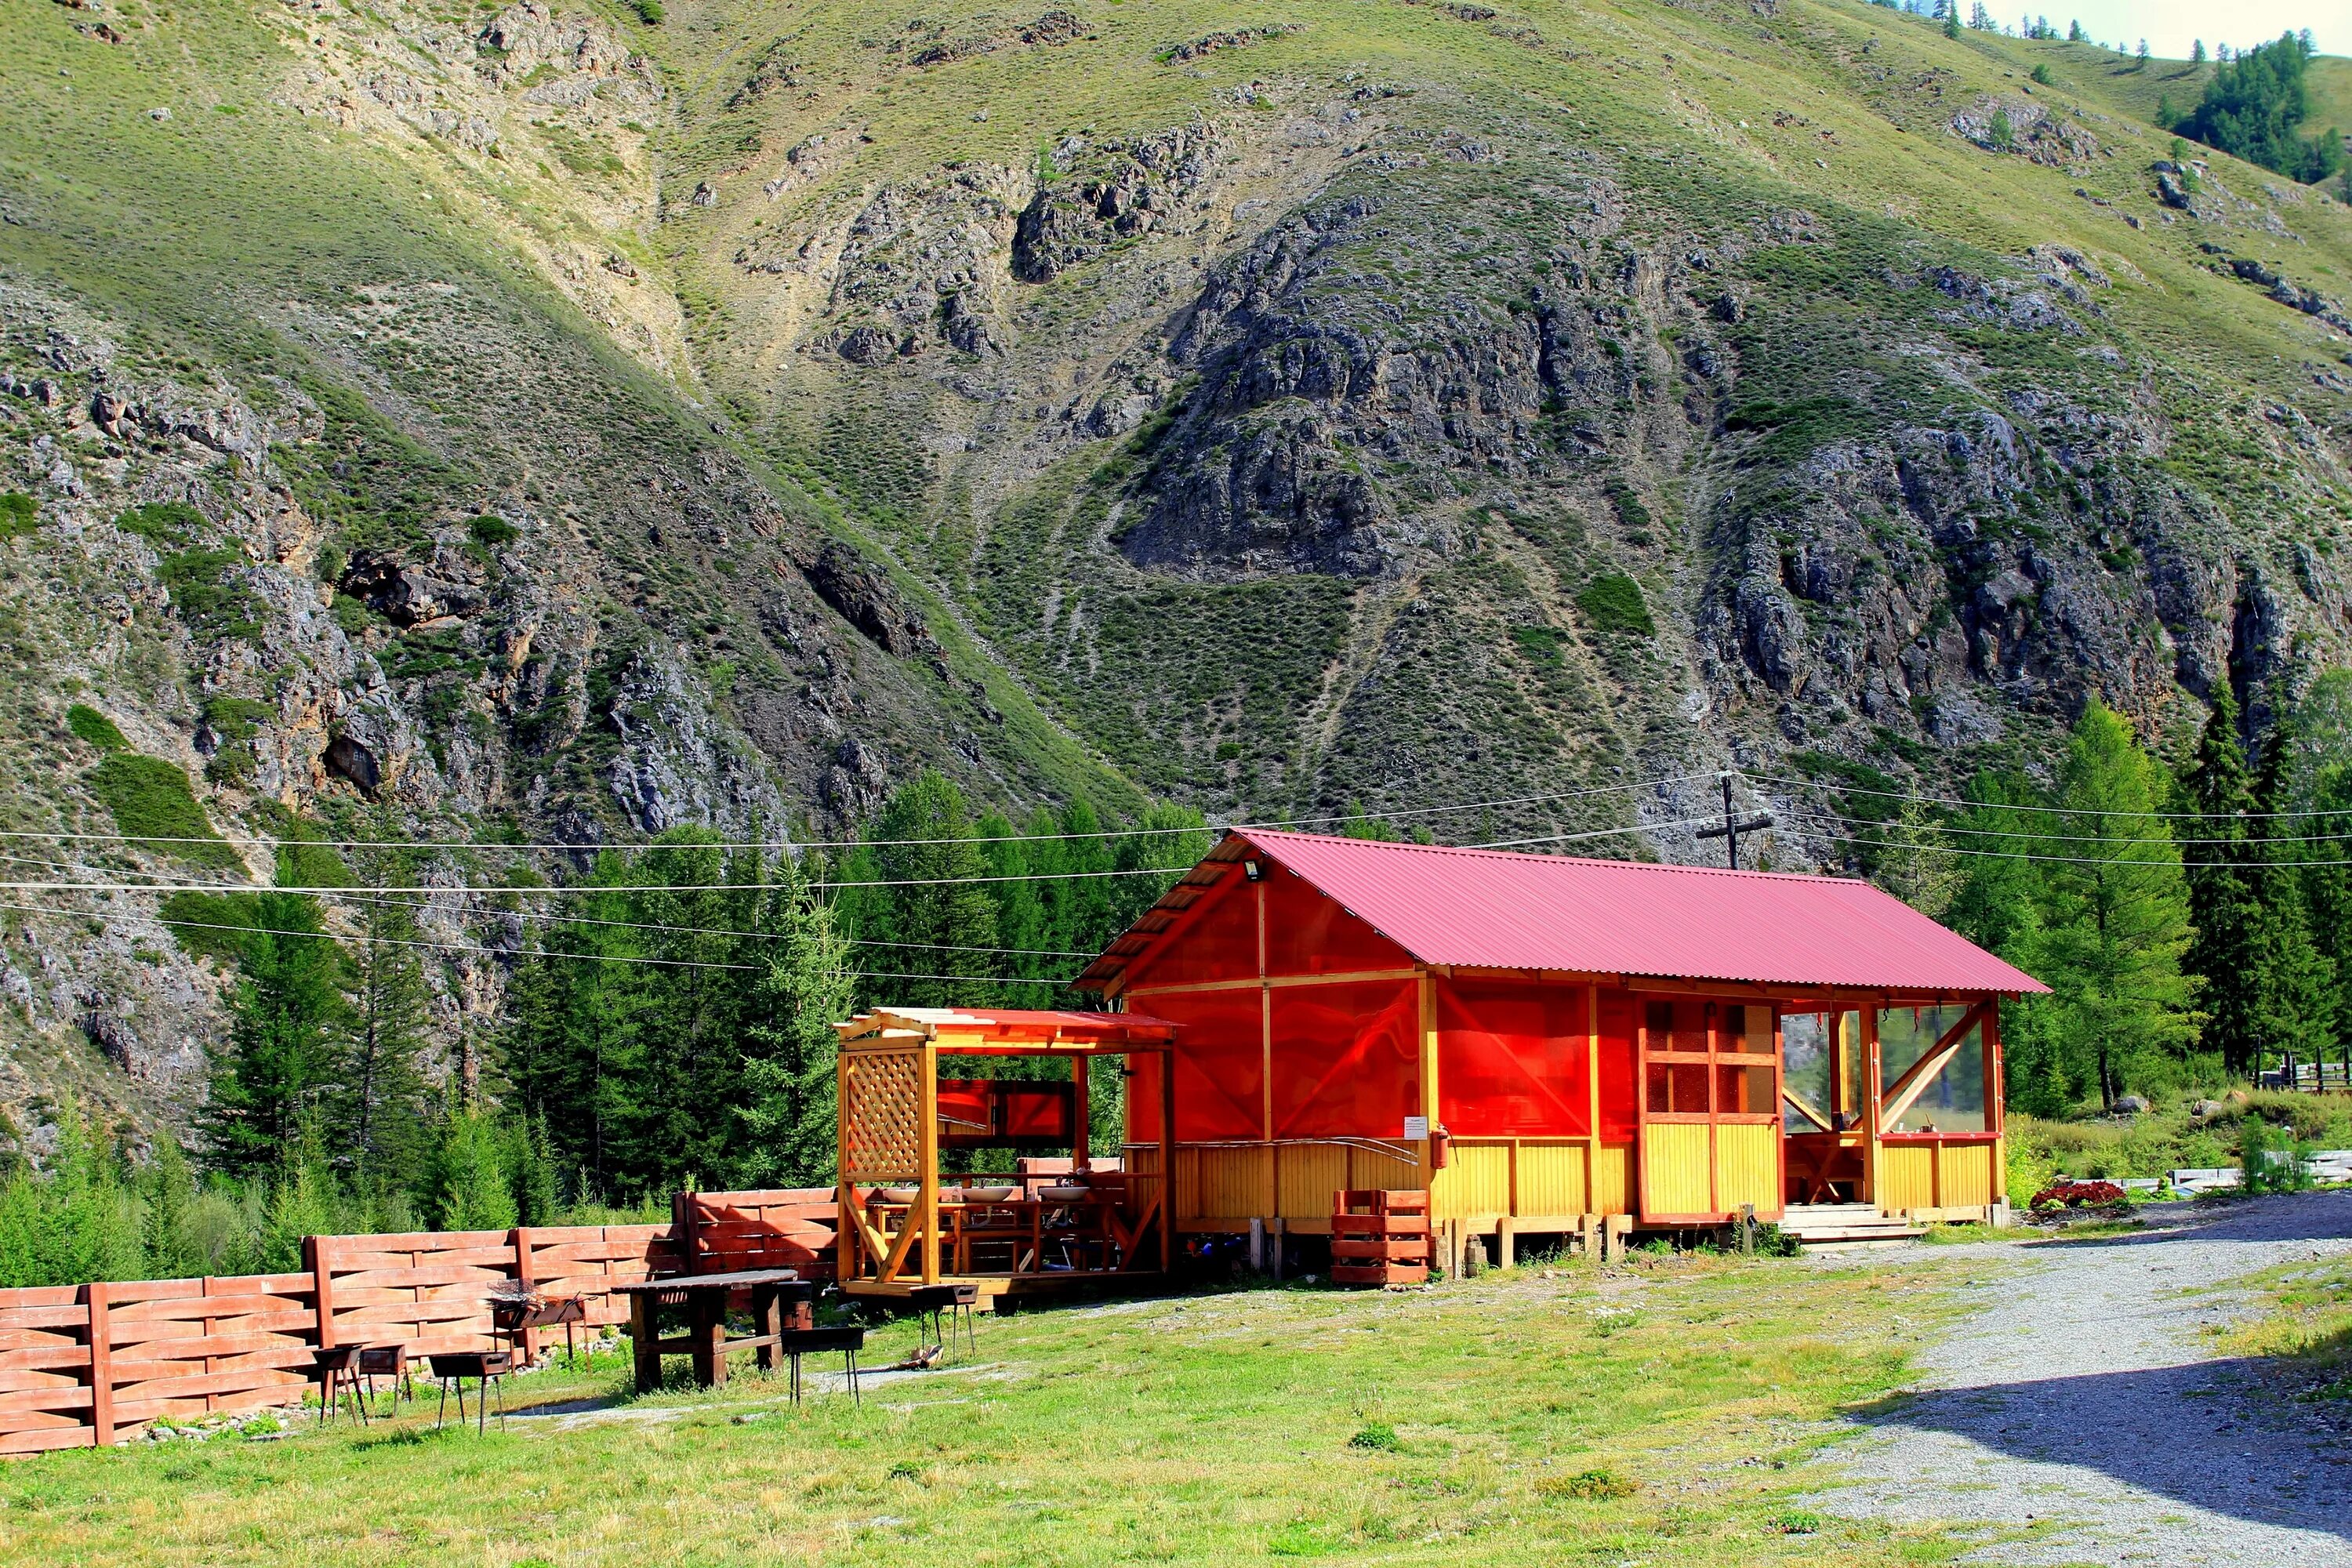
<point x="705" y="1298"/>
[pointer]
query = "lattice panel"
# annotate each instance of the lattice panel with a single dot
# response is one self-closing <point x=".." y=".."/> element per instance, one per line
<point x="885" y="1117"/>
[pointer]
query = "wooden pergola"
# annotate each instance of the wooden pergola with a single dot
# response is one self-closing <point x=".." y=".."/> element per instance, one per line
<point x="893" y="1123"/>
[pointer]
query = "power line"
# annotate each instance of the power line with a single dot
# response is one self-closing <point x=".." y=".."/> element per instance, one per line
<point x="517" y="954"/>
<point x="1597" y="833"/>
<point x="2056" y="810"/>
<point x="2094" y="859"/>
<point x="785" y="844"/>
<point x="2055" y="838"/>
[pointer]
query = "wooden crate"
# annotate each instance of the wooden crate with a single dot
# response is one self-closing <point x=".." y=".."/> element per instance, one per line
<point x="1379" y="1236"/>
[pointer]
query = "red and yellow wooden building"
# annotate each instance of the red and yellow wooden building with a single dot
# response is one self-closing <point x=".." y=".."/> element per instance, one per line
<point x="1542" y="1041"/>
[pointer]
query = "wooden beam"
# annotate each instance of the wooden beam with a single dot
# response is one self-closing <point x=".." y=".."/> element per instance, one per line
<point x="316" y="1259"/>
<point x="1805" y="1108"/>
<point x="1262" y="979"/>
<point x="1080" y="1132"/>
<point x="1905" y="1090"/>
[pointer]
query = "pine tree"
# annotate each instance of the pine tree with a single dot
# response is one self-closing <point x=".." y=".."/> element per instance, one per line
<point x="2327" y="884"/>
<point x="2117" y="918"/>
<point x="381" y="1107"/>
<point x="282" y="1051"/>
<point x="1918" y="866"/>
<point x="922" y="845"/>
<point x="2296" y="1005"/>
<point x="474" y="1190"/>
<point x="2196" y="53"/>
<point x="1951" y="18"/>
<point x="574" y="1043"/>
<point x="2224" y="892"/>
<point x="787" y="1112"/>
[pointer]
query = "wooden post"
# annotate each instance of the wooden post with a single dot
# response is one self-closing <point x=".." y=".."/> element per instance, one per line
<point x="101" y="1365"/>
<point x="927" y="1204"/>
<point x="1081" y="1134"/>
<point x="1428" y="984"/>
<point x="1257" y="1245"/>
<point x="1274" y="1246"/>
<point x="1996" y="1099"/>
<point x="315" y="1258"/>
<point x="846" y="1265"/>
<point x="645" y="1340"/>
<point x="1273" y="1203"/>
<point x="1713" y="1012"/>
<point x="767" y="1323"/>
<point x="1589" y="1231"/>
<point x="1593" y="1101"/>
<point x="1168" y="1158"/>
<point x="708" y="1311"/>
<point x="520" y="1239"/>
<point x="1506" y="1242"/>
<point x="1873" y="1101"/>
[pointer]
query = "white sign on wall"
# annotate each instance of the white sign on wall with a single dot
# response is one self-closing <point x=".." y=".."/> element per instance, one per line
<point x="1416" y="1127"/>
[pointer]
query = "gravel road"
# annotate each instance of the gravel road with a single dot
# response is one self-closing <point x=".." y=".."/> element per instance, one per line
<point x="2079" y="1401"/>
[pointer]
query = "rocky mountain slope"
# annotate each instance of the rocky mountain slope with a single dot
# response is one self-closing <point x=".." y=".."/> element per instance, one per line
<point x="540" y="421"/>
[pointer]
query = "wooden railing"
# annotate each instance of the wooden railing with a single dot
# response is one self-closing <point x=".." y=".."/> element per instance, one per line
<point x="84" y="1366"/>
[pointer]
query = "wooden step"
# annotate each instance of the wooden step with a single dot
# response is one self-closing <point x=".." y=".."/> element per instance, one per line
<point x="1838" y="1228"/>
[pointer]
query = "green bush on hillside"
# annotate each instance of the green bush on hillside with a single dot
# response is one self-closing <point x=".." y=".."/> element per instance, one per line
<point x="152" y="802"/>
<point x="88" y="724"/>
<point x="19" y="513"/>
<point x="215" y="605"/>
<point x="1612" y="602"/>
<point x="166" y="525"/>
<point x="210" y="925"/>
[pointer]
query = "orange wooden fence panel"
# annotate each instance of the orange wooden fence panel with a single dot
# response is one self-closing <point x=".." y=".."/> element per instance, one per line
<point x="97" y="1363"/>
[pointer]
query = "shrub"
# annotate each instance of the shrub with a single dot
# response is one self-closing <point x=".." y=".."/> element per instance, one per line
<point x="1593" y="1485"/>
<point x="210" y="925"/>
<point x="166" y="525"/>
<point x="1999" y="133"/>
<point x="649" y="12"/>
<point x="152" y="802"/>
<point x="491" y="532"/>
<point x="88" y="724"/>
<point x="1377" y="1435"/>
<point x="214" y="605"/>
<point x="2041" y="75"/>
<point x="1612" y="602"/>
<point x="19" y="513"/>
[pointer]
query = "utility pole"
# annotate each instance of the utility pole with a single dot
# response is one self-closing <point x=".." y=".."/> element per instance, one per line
<point x="1734" y="826"/>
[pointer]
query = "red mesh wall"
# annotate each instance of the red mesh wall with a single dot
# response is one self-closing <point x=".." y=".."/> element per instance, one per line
<point x="1511" y="1059"/>
<point x="1219" y="1082"/>
<point x="1218" y="942"/>
<point x="1345" y="1061"/>
<point x="1307" y="933"/>
<point x="1618" y="1112"/>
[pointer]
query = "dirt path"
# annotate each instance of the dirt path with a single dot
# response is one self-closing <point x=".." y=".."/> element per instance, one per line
<point x="2080" y="1400"/>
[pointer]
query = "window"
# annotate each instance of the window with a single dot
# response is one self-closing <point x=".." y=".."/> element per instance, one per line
<point x="1953" y="1099"/>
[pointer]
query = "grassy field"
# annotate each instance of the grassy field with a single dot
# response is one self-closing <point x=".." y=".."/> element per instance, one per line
<point x="1658" y="1412"/>
<point x="2307" y="1328"/>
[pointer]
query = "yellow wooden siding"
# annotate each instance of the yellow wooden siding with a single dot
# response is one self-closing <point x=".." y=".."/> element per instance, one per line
<point x="1310" y="1174"/>
<point x="1551" y="1178"/>
<point x="1475" y="1181"/>
<point x="1218" y="1183"/>
<point x="1965" y="1170"/>
<point x="1747" y="1167"/>
<point x="1614" y="1182"/>
<point x="1906" y="1177"/>
<point x="1369" y="1168"/>
<point x="1674" y="1167"/>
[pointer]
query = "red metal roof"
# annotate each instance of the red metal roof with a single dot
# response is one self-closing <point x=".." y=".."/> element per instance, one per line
<point x="1492" y="909"/>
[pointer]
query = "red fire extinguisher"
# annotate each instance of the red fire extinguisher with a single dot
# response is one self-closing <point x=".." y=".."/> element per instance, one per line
<point x="1440" y="1148"/>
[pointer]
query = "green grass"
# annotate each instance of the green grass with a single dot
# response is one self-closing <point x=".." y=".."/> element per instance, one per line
<point x="1612" y="602"/>
<point x="2305" y="1331"/>
<point x="210" y="925"/>
<point x="1504" y="1429"/>
<point x="152" y="802"/>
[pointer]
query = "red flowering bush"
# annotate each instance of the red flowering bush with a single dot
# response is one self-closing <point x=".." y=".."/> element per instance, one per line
<point x="2077" y="1195"/>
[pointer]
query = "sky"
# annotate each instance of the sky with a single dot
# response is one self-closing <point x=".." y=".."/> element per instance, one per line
<point x="2171" y="26"/>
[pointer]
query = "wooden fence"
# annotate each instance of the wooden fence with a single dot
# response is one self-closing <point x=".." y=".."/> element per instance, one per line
<point x="95" y="1364"/>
